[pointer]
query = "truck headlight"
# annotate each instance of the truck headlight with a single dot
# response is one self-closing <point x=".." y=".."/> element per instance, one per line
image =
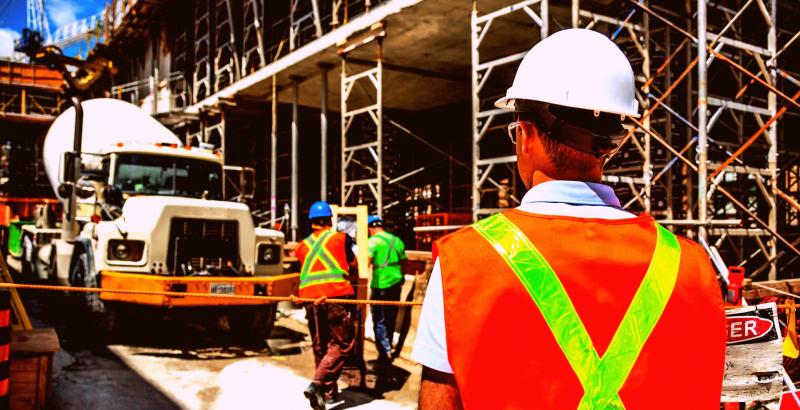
<point x="268" y="254"/>
<point x="125" y="250"/>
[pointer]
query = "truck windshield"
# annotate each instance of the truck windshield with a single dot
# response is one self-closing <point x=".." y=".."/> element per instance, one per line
<point x="141" y="174"/>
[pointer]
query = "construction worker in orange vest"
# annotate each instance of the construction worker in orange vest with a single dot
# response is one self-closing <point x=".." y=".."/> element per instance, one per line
<point x="325" y="257"/>
<point x="569" y="301"/>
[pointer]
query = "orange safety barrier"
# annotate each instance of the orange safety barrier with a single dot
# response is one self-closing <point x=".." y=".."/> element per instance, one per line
<point x="5" y="341"/>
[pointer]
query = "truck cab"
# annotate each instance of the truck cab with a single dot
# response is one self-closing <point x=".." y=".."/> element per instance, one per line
<point x="151" y="216"/>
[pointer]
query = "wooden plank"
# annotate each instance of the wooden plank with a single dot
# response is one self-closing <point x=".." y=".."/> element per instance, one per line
<point x="34" y="341"/>
<point x="754" y="356"/>
<point x="23" y="389"/>
<point x="25" y="377"/>
<point x="28" y="364"/>
<point x="44" y="380"/>
<point x="755" y="293"/>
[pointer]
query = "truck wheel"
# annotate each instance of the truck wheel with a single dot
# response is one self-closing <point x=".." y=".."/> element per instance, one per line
<point x="252" y="324"/>
<point x="83" y="276"/>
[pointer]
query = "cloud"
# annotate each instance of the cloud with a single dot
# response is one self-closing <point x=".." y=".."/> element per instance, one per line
<point x="7" y="37"/>
<point x="63" y="12"/>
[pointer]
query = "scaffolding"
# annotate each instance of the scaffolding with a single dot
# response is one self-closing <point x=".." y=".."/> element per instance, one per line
<point x="362" y="132"/>
<point x="687" y="162"/>
<point x="716" y="82"/>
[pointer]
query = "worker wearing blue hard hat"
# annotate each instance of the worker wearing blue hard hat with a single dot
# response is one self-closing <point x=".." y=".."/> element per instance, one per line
<point x="325" y="257"/>
<point x="387" y="255"/>
<point x="320" y="209"/>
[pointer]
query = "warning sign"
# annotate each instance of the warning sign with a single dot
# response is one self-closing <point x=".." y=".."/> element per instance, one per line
<point x="748" y="329"/>
<point x="790" y="401"/>
<point x="754" y="356"/>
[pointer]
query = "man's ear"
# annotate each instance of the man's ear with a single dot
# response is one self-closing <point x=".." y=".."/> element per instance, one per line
<point x="528" y="136"/>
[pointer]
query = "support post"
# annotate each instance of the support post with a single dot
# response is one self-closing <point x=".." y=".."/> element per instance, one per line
<point x="772" y="136"/>
<point x="647" y="166"/>
<point x="295" y="136"/>
<point x="545" y="12"/>
<point x="702" y="120"/>
<point x="273" y="155"/>
<point x="323" y="135"/>
<point x="576" y="7"/>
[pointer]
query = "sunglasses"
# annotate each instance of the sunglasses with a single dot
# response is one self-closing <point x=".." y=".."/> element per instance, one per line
<point x="563" y="129"/>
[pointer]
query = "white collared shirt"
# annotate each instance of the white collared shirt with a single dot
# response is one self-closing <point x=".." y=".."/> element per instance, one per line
<point x="563" y="198"/>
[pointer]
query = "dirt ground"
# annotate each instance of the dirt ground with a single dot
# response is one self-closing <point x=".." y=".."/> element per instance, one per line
<point x="157" y="363"/>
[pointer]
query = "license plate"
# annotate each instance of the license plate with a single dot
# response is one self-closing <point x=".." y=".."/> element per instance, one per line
<point x="223" y="288"/>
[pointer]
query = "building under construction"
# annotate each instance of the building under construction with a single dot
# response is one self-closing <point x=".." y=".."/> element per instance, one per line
<point x="390" y="103"/>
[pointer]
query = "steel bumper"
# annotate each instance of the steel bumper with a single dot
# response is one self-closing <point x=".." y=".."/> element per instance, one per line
<point x="280" y="285"/>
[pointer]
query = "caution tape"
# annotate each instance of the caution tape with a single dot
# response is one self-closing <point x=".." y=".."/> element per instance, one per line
<point x="291" y="298"/>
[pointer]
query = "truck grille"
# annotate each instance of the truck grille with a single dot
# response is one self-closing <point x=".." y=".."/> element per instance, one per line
<point x="202" y="244"/>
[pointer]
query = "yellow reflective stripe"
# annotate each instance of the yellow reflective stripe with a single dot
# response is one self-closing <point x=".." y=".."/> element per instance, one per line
<point x="545" y="289"/>
<point x="311" y="257"/>
<point x="601" y="378"/>
<point x="322" y="277"/>
<point x="320" y="253"/>
<point x="639" y="321"/>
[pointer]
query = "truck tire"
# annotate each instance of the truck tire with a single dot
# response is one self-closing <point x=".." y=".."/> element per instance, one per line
<point x="83" y="275"/>
<point x="252" y="324"/>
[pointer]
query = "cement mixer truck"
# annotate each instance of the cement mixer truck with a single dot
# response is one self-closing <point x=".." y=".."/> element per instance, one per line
<point x="148" y="215"/>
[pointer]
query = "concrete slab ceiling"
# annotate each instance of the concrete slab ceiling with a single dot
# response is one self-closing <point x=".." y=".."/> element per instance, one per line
<point x="426" y="59"/>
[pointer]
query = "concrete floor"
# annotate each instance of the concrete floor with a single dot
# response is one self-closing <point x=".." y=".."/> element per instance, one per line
<point x="166" y="364"/>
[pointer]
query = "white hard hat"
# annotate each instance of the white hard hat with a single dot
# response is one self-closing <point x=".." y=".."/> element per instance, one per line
<point x="575" y="68"/>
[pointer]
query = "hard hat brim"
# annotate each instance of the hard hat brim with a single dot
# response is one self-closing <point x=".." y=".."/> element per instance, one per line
<point x="507" y="103"/>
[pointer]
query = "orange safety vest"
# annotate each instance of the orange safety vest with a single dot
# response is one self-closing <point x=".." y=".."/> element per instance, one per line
<point x="533" y="303"/>
<point x="324" y="267"/>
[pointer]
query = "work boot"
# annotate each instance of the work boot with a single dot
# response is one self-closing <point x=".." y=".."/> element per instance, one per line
<point x="314" y="396"/>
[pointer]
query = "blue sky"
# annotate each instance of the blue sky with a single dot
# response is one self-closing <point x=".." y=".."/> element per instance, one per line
<point x="59" y="12"/>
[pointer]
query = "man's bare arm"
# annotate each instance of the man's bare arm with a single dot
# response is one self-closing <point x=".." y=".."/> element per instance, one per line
<point x="438" y="391"/>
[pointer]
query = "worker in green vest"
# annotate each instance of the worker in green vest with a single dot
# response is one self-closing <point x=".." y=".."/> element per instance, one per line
<point x="387" y="255"/>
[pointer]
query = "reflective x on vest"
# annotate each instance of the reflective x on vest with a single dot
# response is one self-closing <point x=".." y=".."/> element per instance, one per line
<point x="318" y="253"/>
<point x="601" y="377"/>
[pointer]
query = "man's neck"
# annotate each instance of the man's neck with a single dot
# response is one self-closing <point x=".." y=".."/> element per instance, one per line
<point x="318" y="229"/>
<point x="540" y="177"/>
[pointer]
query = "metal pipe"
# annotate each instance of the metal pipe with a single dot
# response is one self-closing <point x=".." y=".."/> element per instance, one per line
<point x="295" y="135"/>
<point x="323" y="137"/>
<point x="702" y="120"/>
<point x="647" y="167"/>
<point x="545" y="12"/>
<point x="69" y="229"/>
<point x="772" y="137"/>
<point x="379" y="124"/>
<point x="273" y="154"/>
<point x="576" y="6"/>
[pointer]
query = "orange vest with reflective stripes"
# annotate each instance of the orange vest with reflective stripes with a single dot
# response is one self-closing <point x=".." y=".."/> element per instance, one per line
<point x="505" y="355"/>
<point x="324" y="267"/>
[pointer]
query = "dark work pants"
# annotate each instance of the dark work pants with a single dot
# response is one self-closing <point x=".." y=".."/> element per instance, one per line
<point x="332" y="337"/>
<point x="384" y="318"/>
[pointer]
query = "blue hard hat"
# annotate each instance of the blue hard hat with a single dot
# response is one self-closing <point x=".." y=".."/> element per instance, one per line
<point x="320" y="209"/>
<point x="374" y="219"/>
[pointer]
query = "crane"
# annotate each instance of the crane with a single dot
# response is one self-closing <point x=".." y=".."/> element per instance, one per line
<point x="66" y="35"/>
